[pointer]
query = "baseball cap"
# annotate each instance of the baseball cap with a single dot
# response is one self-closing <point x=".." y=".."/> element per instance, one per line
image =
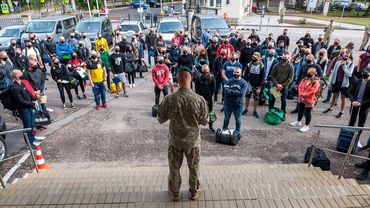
<point x="185" y="68"/>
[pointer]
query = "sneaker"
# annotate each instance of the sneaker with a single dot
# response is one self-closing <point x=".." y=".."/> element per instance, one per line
<point x="40" y="138"/>
<point x="304" y="128"/>
<point x="49" y="110"/>
<point x="328" y="110"/>
<point x="255" y="114"/>
<point x="296" y="124"/>
<point x="133" y="85"/>
<point x="294" y="111"/>
<point x="79" y="97"/>
<point x="98" y="107"/>
<point x="339" y="115"/>
<point x="363" y="175"/>
<point x="174" y="196"/>
<point x="73" y="106"/>
<point x="194" y="195"/>
<point x="129" y="86"/>
<point x="125" y="95"/>
<point x="245" y="112"/>
<point x="116" y="96"/>
<point x="105" y="105"/>
<point x="84" y="95"/>
<point x="64" y="106"/>
<point x="211" y="129"/>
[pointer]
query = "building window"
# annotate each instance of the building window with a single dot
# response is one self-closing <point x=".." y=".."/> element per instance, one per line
<point x="215" y="3"/>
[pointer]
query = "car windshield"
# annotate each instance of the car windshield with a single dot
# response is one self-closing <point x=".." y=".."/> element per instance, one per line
<point x="214" y="24"/>
<point x="125" y="28"/>
<point x="170" y="27"/>
<point x="88" y="27"/>
<point x="9" y="33"/>
<point x="40" y="27"/>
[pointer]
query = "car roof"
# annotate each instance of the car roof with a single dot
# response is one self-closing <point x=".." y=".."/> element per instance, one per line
<point x="57" y="17"/>
<point x="93" y="19"/>
<point x="130" y="23"/>
<point x="15" y="27"/>
<point x="207" y="16"/>
<point x="170" y="19"/>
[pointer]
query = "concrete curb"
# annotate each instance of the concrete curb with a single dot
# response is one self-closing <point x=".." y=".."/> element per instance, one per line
<point x="282" y="26"/>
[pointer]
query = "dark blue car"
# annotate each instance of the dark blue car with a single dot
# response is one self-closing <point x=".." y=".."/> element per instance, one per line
<point x="136" y="4"/>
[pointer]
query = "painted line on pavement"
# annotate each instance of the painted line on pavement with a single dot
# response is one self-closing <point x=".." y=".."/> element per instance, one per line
<point x="16" y="166"/>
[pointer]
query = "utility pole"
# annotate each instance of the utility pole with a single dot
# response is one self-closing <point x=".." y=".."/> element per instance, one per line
<point x="73" y="3"/>
<point x="97" y="7"/>
<point x="88" y="6"/>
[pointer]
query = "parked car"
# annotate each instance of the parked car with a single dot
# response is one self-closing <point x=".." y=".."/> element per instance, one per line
<point x="167" y="27"/>
<point x="213" y="22"/>
<point x="360" y="6"/>
<point x="94" y="25"/>
<point x="9" y="33"/>
<point x="57" y="26"/>
<point x="136" y="4"/>
<point x="339" y="4"/>
<point x="129" y="28"/>
<point x="3" y="147"/>
<point x="153" y="3"/>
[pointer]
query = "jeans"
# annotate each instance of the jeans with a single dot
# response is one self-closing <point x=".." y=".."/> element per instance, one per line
<point x="157" y="92"/>
<point x="99" y="91"/>
<point x="284" y="93"/>
<point x="237" y="111"/>
<point x="303" y="110"/>
<point x="28" y="121"/>
<point x="151" y="53"/>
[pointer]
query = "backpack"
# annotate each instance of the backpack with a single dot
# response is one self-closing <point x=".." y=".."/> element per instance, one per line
<point x="318" y="93"/>
<point x="7" y="99"/>
<point x="274" y="116"/>
<point x="319" y="159"/>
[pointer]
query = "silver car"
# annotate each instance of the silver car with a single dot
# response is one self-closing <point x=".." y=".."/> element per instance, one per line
<point x="129" y="28"/>
<point x="9" y="33"/>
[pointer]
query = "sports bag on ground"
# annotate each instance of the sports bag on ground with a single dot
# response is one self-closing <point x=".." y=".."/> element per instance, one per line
<point x="155" y="110"/>
<point x="115" y="87"/>
<point x="319" y="159"/>
<point x="230" y="137"/>
<point x="41" y="118"/>
<point x="344" y="140"/>
<point x="274" y="116"/>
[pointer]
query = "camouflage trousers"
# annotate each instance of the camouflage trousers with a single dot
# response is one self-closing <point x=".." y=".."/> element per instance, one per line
<point x="175" y="157"/>
<point x="365" y="39"/>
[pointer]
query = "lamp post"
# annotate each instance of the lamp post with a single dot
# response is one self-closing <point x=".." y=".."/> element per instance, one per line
<point x="88" y="6"/>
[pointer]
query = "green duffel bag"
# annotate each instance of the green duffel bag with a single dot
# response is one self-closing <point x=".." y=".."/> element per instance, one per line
<point x="274" y="116"/>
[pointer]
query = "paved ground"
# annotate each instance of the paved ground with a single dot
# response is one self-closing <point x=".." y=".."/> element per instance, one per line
<point x="126" y="134"/>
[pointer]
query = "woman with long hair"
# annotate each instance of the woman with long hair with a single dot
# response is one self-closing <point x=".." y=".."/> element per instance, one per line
<point x="130" y="66"/>
<point x="322" y="59"/>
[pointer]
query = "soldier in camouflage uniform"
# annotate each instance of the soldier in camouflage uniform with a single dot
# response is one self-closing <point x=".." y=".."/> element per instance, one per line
<point x="329" y="29"/>
<point x="185" y="110"/>
<point x="366" y="37"/>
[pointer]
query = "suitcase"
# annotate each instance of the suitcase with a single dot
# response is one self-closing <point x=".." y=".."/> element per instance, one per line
<point x="319" y="159"/>
<point x="154" y="110"/>
<point x="228" y="136"/>
<point x="344" y="140"/>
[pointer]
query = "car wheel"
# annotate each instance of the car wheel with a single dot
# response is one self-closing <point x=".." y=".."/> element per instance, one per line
<point x="3" y="149"/>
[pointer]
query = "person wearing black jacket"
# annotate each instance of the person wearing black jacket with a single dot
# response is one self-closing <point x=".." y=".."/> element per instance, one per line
<point x="12" y="48"/>
<point x="186" y="59"/>
<point x="284" y="38"/>
<point x="246" y="53"/>
<point x="82" y="52"/>
<point x="216" y="71"/>
<point x="117" y="62"/>
<point x="50" y="45"/>
<point x="205" y="86"/>
<point x="307" y="40"/>
<point x="20" y="62"/>
<point x="59" y="73"/>
<point x="317" y="46"/>
<point x="24" y="104"/>
<point x="212" y="51"/>
<point x="359" y="94"/>
<point x="150" y="40"/>
<point x="240" y="43"/>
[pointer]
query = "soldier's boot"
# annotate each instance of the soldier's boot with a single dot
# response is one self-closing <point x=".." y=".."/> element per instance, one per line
<point x="175" y="195"/>
<point x="195" y="194"/>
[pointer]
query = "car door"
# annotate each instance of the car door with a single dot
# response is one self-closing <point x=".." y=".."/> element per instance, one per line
<point x="58" y="31"/>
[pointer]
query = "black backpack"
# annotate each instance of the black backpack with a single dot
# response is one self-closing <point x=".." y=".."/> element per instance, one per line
<point x="7" y="99"/>
<point x="319" y="159"/>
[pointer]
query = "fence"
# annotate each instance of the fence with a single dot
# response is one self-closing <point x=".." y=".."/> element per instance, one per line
<point x="28" y="145"/>
<point x="348" y="154"/>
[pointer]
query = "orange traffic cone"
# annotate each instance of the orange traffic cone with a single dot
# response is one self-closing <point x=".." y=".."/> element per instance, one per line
<point x="40" y="161"/>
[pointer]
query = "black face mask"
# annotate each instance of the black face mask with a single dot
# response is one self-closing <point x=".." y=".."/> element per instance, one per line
<point x="365" y="75"/>
<point x="18" y="54"/>
<point x="321" y="54"/>
<point x="336" y="43"/>
<point x="81" y="45"/>
<point x="101" y="50"/>
<point x="94" y="56"/>
<point x="160" y="62"/>
<point x="72" y="36"/>
<point x="116" y="50"/>
<point x="309" y="61"/>
<point x="29" y="46"/>
<point x="284" y="60"/>
<point x="368" y="51"/>
<point x="32" y="38"/>
<point x="271" y="55"/>
<point x="254" y="60"/>
<point x="233" y="60"/>
<point x="226" y="42"/>
<point x="34" y="67"/>
<point x="223" y="54"/>
<point x="74" y="56"/>
<point x="84" y="36"/>
<point x="236" y="76"/>
<point x="62" y="42"/>
<point x="248" y="44"/>
<point x="309" y="76"/>
<point x="320" y="39"/>
<point x="345" y="59"/>
<point x="5" y="58"/>
<point x="14" y="44"/>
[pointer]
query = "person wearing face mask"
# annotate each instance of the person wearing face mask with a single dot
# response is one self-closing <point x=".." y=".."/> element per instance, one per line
<point x="342" y="72"/>
<point x="104" y="56"/>
<point x="205" y="37"/>
<point x="281" y="76"/>
<point x="185" y="39"/>
<point x="82" y="52"/>
<point x="235" y="90"/>
<point x="197" y="48"/>
<point x="254" y="37"/>
<point x="150" y="43"/>
<point x="284" y="37"/>
<point x="101" y="41"/>
<point x="359" y="94"/>
<point x="34" y="41"/>
<point x="50" y="45"/>
<point x="64" y="50"/>
<point x="229" y="66"/>
<point x="322" y="60"/>
<point x="74" y="65"/>
<point x="254" y="74"/>
<point x="20" y="62"/>
<point x="205" y="86"/>
<point x="217" y="71"/>
<point x="130" y="66"/>
<point x="174" y="55"/>
<point x="280" y="50"/>
<point x="160" y="76"/>
<point x="6" y="64"/>
<point x="265" y="50"/>
<point x="269" y="39"/>
<point x="60" y="75"/>
<point x="317" y="46"/>
<point x="212" y="51"/>
<point x="334" y="49"/>
<point x="226" y="45"/>
<point x="234" y="38"/>
<point x="159" y="43"/>
<point x="201" y="60"/>
<point x="307" y="40"/>
<point x="186" y="59"/>
<point x="30" y="50"/>
<point x="117" y="37"/>
<point x="98" y="77"/>
<point x="139" y="54"/>
<point x="72" y="40"/>
<point x="11" y="50"/>
<point x="246" y="53"/>
<point x="307" y="90"/>
<point x="240" y="43"/>
<point x="268" y="62"/>
<point x="78" y="35"/>
<point x="118" y="61"/>
<point x="86" y="41"/>
<point x="363" y="62"/>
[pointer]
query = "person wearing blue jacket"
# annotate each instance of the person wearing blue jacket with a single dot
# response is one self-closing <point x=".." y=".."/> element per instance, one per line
<point x="64" y="50"/>
<point x="205" y="37"/>
<point x="235" y="90"/>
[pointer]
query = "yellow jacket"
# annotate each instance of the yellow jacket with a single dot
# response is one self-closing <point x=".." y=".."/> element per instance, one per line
<point x="101" y="41"/>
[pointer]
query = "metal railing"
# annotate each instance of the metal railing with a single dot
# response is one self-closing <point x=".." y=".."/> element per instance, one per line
<point x="347" y="154"/>
<point x="28" y="144"/>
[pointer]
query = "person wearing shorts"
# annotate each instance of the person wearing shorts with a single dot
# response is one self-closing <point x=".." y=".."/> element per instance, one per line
<point x="117" y="60"/>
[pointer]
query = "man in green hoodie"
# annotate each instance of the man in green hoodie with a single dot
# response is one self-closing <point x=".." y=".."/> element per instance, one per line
<point x="104" y="56"/>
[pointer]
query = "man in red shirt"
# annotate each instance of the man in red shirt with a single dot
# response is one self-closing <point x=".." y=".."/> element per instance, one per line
<point x="160" y="76"/>
<point x="225" y="45"/>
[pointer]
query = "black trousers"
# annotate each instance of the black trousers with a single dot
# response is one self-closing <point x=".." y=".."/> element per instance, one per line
<point x="218" y="86"/>
<point x="61" y="87"/>
<point x="157" y="92"/>
<point x="138" y="66"/>
<point x="303" y="110"/>
<point x="361" y="112"/>
<point x="131" y="77"/>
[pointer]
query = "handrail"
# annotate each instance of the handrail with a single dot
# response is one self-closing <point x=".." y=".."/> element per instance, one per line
<point x="348" y="154"/>
<point x="28" y="144"/>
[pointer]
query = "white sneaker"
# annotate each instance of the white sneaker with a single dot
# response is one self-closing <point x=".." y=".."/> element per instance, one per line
<point x="49" y="109"/>
<point x="129" y="86"/>
<point x="296" y="124"/>
<point x="133" y="85"/>
<point x="40" y="138"/>
<point x="304" y="129"/>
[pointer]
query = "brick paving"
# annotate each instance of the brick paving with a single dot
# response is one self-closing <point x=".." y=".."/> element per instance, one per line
<point x="253" y="185"/>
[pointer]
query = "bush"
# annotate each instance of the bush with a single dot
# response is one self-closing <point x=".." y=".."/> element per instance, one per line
<point x="302" y="21"/>
<point x="83" y="4"/>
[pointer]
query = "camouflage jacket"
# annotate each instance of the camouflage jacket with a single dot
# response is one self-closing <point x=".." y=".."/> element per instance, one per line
<point x="186" y="111"/>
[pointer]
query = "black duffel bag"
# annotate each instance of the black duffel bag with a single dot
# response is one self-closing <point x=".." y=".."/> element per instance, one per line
<point x="230" y="137"/>
<point x="319" y="159"/>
